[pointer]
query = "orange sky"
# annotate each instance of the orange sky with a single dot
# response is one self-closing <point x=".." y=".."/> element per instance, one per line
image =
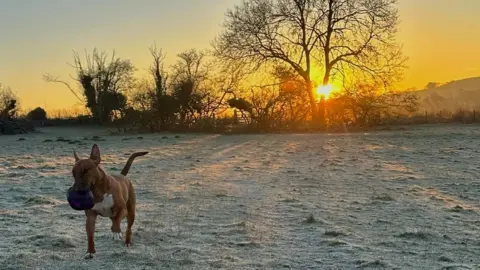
<point x="438" y="37"/>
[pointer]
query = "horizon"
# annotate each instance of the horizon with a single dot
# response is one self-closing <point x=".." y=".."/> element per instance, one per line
<point x="42" y="37"/>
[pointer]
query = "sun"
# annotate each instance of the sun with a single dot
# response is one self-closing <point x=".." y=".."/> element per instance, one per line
<point x="324" y="91"/>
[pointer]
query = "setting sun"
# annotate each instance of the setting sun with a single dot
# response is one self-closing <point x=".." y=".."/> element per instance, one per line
<point x="324" y="91"/>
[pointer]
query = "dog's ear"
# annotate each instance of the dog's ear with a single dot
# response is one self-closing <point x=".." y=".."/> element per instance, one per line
<point x="95" y="154"/>
<point x="76" y="156"/>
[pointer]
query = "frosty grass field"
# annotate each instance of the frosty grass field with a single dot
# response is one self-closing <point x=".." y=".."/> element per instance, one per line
<point x="387" y="200"/>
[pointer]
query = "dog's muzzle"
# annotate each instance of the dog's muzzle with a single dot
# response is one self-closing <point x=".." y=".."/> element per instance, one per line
<point x="80" y="199"/>
<point x="80" y="186"/>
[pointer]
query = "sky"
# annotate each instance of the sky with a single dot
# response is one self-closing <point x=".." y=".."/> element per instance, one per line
<point x="39" y="37"/>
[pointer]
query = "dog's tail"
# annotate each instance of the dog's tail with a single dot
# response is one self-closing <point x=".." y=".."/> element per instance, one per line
<point x="130" y="161"/>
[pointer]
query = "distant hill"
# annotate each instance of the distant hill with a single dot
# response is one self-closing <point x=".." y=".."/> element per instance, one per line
<point x="451" y="96"/>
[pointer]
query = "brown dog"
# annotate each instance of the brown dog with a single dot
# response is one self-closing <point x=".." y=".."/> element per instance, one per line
<point x="114" y="195"/>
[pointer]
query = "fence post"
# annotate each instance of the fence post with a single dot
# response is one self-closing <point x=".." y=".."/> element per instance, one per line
<point x="474" y="116"/>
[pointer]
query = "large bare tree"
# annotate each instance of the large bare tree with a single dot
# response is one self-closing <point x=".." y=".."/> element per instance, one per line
<point x="104" y="83"/>
<point x="338" y="35"/>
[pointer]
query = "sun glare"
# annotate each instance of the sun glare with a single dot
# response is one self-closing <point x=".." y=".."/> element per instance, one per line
<point x="324" y="91"/>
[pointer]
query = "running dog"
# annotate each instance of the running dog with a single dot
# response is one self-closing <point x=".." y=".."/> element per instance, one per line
<point x="114" y="195"/>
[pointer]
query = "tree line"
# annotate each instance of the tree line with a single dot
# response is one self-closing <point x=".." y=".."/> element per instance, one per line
<point x="260" y="71"/>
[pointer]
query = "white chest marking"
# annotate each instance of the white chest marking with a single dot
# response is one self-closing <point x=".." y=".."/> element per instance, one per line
<point x="104" y="208"/>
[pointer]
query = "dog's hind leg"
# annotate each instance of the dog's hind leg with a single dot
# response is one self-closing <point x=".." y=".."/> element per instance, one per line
<point x="130" y="221"/>
<point x="130" y="218"/>
<point x="116" y="222"/>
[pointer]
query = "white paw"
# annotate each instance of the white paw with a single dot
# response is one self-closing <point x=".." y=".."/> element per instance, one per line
<point x="89" y="255"/>
<point x="117" y="236"/>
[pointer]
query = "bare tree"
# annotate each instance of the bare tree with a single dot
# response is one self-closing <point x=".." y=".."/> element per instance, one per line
<point x="159" y="75"/>
<point x="143" y="102"/>
<point x="104" y="83"/>
<point x="52" y="79"/>
<point x="265" y="101"/>
<point x="223" y="82"/>
<point x="368" y="103"/>
<point x="8" y="102"/>
<point x="336" y="34"/>
<point x="360" y="35"/>
<point x="292" y="89"/>
<point x="191" y="66"/>
<point x="189" y="75"/>
<point x="143" y="99"/>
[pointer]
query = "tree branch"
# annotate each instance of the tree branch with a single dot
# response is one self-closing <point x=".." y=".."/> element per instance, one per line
<point x="50" y="78"/>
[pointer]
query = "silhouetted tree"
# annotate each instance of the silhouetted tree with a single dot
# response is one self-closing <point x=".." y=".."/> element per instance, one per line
<point x="157" y="105"/>
<point x="189" y="74"/>
<point x="339" y="34"/>
<point x="8" y="102"/>
<point x="292" y="92"/>
<point x="37" y="114"/>
<point x="223" y="82"/>
<point x="367" y="104"/>
<point x="158" y="72"/>
<point x="164" y="105"/>
<point x="104" y="83"/>
<point x="280" y="104"/>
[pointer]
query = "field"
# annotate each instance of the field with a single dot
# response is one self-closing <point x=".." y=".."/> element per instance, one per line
<point x="387" y="200"/>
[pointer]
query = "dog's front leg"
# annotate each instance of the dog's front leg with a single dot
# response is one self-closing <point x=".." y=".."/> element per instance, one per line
<point x="90" y="228"/>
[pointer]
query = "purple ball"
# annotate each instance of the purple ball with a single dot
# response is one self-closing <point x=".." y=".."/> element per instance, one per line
<point x="80" y="200"/>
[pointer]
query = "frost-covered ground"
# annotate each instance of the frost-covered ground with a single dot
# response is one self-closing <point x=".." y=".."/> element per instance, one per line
<point x="404" y="200"/>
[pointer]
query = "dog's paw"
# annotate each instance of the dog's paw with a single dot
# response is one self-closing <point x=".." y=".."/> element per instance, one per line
<point x="89" y="256"/>
<point x="117" y="236"/>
